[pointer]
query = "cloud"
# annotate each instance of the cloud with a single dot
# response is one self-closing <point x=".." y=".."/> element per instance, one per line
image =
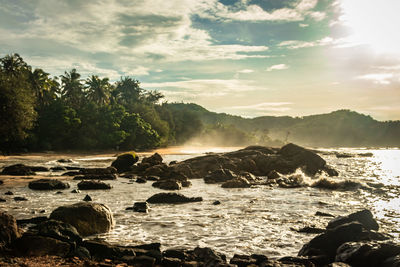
<point x="295" y="44"/>
<point x="378" y="78"/>
<point x="245" y="71"/>
<point x="259" y="109"/>
<point x="278" y="67"/>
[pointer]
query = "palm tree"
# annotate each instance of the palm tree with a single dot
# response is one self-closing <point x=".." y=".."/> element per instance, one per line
<point x="14" y="65"/>
<point x="72" y="88"/>
<point x="98" y="90"/>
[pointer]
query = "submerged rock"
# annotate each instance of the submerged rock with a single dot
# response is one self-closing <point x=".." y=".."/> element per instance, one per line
<point x="172" y="198"/>
<point x="17" y="170"/>
<point x="87" y="217"/>
<point x="141" y="207"/>
<point x="47" y="184"/>
<point x="93" y="185"/>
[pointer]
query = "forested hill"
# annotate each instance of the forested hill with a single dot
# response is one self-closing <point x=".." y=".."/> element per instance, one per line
<point x="342" y="128"/>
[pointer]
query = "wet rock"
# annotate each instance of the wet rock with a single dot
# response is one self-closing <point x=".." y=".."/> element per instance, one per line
<point x="9" y="193"/>
<point x="140" y="207"/>
<point x="391" y="262"/>
<point x="82" y="253"/>
<point x="152" y="178"/>
<point x="58" y="168"/>
<point x="292" y="181"/>
<point x="273" y="175"/>
<point x="310" y="230"/>
<point x="20" y="199"/>
<point x="296" y="261"/>
<point x="58" y="192"/>
<point x="323" y="214"/>
<point x="93" y="185"/>
<point x="176" y="253"/>
<point x="75" y="191"/>
<point x="34" y="220"/>
<point x="65" y="161"/>
<point x="219" y="176"/>
<point x="17" y="170"/>
<point x="154" y="159"/>
<point x="98" y="171"/>
<point x="47" y="184"/>
<point x="125" y="161"/>
<point x="168" y="185"/>
<point x="208" y="256"/>
<point x="59" y="230"/>
<point x="71" y="173"/>
<point x="141" y="260"/>
<point x="364" y="217"/>
<point x="104" y="250"/>
<point x="242" y="260"/>
<point x="366" y="254"/>
<point x="87" y="198"/>
<point x="2" y="200"/>
<point x="96" y="177"/>
<point x="172" y="198"/>
<point x="140" y="180"/>
<point x="343" y="155"/>
<point x="327" y="243"/>
<point x="87" y="217"/>
<point x="1" y="182"/>
<point x="8" y="229"/>
<point x="239" y="182"/>
<point x="160" y="170"/>
<point x="36" y="245"/>
<point x="38" y="168"/>
<point x="216" y="202"/>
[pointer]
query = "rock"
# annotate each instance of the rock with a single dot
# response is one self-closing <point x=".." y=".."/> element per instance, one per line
<point x="175" y="253"/>
<point x="140" y="180"/>
<point x="47" y="184"/>
<point x="152" y="178"/>
<point x="87" y="198"/>
<point x="154" y="159"/>
<point x="160" y="170"/>
<point x="75" y="191"/>
<point x="9" y="193"/>
<point x="364" y="217"/>
<point x="323" y="214"/>
<point x="140" y="207"/>
<point x="300" y="157"/>
<point x="391" y="262"/>
<point x="65" y="161"/>
<point x="59" y="230"/>
<point x="58" y="168"/>
<point x="208" y="256"/>
<point x="20" y="199"/>
<point x="96" y="177"/>
<point x="216" y="202"/>
<point x="17" y="170"/>
<point x="242" y="260"/>
<point x="168" y="185"/>
<point x="1" y="182"/>
<point x="296" y="261"/>
<point x="141" y="260"/>
<point x="124" y="162"/>
<point x="327" y="243"/>
<point x="82" y="253"/>
<point x="219" y="176"/>
<point x="366" y="254"/>
<point x="87" y="217"/>
<point x="273" y="175"/>
<point x="34" y="220"/>
<point x="36" y="245"/>
<point x="104" y="250"/>
<point x="239" y="182"/>
<point x="310" y="230"/>
<point x="70" y="173"/>
<point x="98" y="171"/>
<point x="172" y="198"/>
<point x="93" y="185"/>
<point x="2" y="200"/>
<point x="38" y="168"/>
<point x="8" y="229"/>
<point x="292" y="181"/>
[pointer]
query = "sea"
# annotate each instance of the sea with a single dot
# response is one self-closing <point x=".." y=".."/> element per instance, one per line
<point x="262" y="219"/>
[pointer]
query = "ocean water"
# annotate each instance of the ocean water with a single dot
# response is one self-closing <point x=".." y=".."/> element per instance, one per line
<point x="260" y="219"/>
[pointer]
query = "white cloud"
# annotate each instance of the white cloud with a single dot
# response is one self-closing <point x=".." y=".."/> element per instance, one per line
<point x="295" y="44"/>
<point x="245" y="71"/>
<point x="259" y="109"/>
<point x="137" y="71"/>
<point x="278" y="67"/>
<point x="378" y="78"/>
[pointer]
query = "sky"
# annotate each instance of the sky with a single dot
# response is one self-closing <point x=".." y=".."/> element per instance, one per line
<point x="244" y="57"/>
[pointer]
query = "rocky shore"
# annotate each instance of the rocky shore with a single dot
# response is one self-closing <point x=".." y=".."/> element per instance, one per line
<point x="64" y="237"/>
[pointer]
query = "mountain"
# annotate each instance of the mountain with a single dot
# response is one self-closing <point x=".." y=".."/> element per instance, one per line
<point x="342" y="128"/>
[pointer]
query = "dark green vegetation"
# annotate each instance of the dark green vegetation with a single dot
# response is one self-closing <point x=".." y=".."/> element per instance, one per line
<point x="39" y="112"/>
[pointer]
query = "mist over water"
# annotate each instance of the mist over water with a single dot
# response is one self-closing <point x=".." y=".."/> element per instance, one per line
<point x="259" y="219"/>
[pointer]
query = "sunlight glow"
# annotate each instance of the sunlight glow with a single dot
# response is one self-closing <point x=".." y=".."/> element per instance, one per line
<point x="374" y="23"/>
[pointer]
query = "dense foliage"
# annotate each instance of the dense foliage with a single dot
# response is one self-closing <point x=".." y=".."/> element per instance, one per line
<point x="39" y="112"/>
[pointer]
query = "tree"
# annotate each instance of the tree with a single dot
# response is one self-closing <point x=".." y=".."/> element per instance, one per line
<point x="98" y="90"/>
<point x="72" y="89"/>
<point x="128" y="92"/>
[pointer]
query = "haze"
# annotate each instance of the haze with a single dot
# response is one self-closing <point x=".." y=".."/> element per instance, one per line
<point x="248" y="57"/>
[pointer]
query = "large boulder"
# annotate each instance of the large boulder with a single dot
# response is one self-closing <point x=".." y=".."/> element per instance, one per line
<point x="124" y="162"/>
<point x="154" y="159"/>
<point x="364" y="217"/>
<point x="8" y="229"/>
<point x="58" y="230"/>
<point x="172" y="198"/>
<point x="93" y="185"/>
<point x="18" y="170"/>
<point x="48" y="184"/>
<point x="367" y="254"/>
<point x="87" y="217"/>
